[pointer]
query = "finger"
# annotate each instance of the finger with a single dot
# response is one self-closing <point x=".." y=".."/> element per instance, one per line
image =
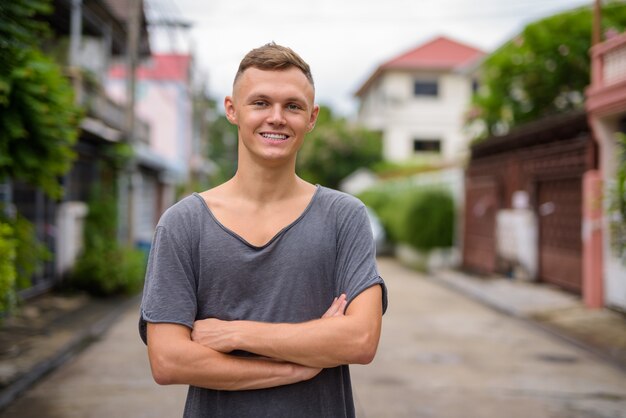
<point x="332" y="309"/>
<point x="342" y="303"/>
<point x="342" y="307"/>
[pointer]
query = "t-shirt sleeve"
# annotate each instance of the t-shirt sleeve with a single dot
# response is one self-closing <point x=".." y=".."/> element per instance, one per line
<point x="356" y="268"/>
<point x="169" y="294"/>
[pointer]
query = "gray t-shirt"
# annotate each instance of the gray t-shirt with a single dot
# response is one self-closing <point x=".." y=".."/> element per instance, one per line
<point x="200" y="269"/>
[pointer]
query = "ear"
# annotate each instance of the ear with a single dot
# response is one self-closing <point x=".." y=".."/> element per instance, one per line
<point x="313" y="118"/>
<point x="229" y="108"/>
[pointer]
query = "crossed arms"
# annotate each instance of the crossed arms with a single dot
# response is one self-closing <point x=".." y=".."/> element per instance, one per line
<point x="289" y="353"/>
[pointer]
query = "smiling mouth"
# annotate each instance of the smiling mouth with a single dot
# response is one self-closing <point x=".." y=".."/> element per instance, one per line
<point x="274" y="137"/>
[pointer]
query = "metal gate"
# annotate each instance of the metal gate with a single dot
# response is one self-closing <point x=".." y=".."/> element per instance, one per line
<point x="559" y="203"/>
<point x="481" y="204"/>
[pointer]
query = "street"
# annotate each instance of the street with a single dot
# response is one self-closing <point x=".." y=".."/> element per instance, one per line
<point x="441" y="355"/>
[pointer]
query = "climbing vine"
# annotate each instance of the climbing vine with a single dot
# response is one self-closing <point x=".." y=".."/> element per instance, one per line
<point x="617" y="203"/>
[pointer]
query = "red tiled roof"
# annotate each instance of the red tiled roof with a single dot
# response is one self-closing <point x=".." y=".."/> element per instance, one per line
<point x="440" y="53"/>
<point x="159" y="67"/>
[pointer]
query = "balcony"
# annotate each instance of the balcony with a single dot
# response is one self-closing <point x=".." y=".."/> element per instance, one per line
<point x="607" y="93"/>
<point x="103" y="116"/>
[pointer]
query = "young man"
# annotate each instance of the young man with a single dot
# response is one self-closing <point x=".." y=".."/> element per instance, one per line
<point x="265" y="282"/>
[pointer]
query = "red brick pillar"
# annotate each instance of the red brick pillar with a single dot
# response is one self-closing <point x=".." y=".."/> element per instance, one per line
<point x="593" y="286"/>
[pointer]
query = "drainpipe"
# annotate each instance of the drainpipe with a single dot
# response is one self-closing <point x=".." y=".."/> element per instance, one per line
<point x="132" y="53"/>
<point x="596" y="34"/>
<point x="76" y="29"/>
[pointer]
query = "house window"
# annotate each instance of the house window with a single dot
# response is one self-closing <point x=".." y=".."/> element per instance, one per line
<point x="475" y="86"/>
<point x="426" y="88"/>
<point x="427" y="145"/>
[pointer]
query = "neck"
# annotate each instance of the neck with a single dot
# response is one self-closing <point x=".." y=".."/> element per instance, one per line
<point x="265" y="184"/>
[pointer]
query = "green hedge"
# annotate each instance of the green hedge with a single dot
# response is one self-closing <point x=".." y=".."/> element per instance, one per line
<point x="423" y="218"/>
<point x="105" y="268"/>
<point x="106" y="271"/>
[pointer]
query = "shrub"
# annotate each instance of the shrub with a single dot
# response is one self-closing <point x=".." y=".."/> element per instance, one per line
<point x="7" y="267"/>
<point x="105" y="268"/>
<point x="427" y="219"/>
<point x="107" y="271"/>
<point x="29" y="252"/>
<point x="423" y="218"/>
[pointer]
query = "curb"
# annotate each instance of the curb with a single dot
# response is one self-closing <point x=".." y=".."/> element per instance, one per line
<point x="79" y="342"/>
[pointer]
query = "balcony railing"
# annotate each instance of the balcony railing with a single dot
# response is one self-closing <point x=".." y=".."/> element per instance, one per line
<point x="607" y="93"/>
<point x="609" y="62"/>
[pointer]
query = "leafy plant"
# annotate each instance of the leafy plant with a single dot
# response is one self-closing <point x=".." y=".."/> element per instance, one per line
<point x="38" y="117"/>
<point x="617" y="205"/>
<point x="8" y="273"/>
<point x="105" y="268"/>
<point x="423" y="218"/>
<point x="30" y="252"/>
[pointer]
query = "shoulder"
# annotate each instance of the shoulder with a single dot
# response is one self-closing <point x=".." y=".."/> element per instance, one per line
<point x="182" y="215"/>
<point x="339" y="200"/>
<point x="343" y="206"/>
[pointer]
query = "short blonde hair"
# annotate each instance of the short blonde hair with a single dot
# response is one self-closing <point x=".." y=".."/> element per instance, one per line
<point x="273" y="57"/>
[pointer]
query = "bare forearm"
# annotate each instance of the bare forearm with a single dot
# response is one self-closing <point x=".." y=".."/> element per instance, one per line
<point x="326" y="342"/>
<point x="187" y="362"/>
<point x="333" y="340"/>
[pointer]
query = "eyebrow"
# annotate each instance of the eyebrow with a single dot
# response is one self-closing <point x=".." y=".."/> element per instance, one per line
<point x="300" y="100"/>
<point x="266" y="97"/>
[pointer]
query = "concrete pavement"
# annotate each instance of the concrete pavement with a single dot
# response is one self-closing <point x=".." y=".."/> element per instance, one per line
<point x="111" y="378"/>
<point x="442" y="354"/>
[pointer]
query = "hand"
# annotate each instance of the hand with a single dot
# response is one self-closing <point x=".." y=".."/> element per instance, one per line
<point x="337" y="308"/>
<point x="214" y="333"/>
<point x="219" y="335"/>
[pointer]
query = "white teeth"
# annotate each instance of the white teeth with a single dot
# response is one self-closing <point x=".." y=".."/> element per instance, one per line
<point x="275" y="136"/>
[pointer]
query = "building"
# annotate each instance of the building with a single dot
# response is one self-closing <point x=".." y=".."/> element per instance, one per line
<point x="164" y="100"/>
<point x="606" y="106"/>
<point x="418" y="100"/>
<point x="526" y="198"/>
<point x="85" y="38"/>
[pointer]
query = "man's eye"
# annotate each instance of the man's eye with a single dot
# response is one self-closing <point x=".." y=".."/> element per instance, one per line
<point x="293" y="106"/>
<point x="259" y="103"/>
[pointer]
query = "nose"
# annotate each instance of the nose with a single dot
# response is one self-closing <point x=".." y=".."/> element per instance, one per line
<point x="276" y="116"/>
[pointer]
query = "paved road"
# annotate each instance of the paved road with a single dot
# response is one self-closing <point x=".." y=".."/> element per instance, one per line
<point x="444" y="355"/>
<point x="441" y="355"/>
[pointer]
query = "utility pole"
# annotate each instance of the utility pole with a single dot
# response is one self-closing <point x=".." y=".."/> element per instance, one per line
<point x="596" y="34"/>
<point x="132" y="53"/>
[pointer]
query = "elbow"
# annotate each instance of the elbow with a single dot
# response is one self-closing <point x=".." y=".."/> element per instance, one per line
<point x="162" y="370"/>
<point x="365" y="356"/>
<point x="365" y="349"/>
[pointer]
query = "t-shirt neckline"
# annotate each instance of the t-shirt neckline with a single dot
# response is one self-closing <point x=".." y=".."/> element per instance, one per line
<point x="275" y="237"/>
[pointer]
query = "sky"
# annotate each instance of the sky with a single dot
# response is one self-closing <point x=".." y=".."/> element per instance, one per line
<point x="344" y="41"/>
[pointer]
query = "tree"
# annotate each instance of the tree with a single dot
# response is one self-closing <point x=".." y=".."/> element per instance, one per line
<point x="335" y="149"/>
<point x="222" y="147"/>
<point x="38" y="117"/>
<point x="540" y="72"/>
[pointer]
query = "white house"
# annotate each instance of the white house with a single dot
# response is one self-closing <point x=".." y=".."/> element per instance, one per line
<point x="418" y="100"/>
